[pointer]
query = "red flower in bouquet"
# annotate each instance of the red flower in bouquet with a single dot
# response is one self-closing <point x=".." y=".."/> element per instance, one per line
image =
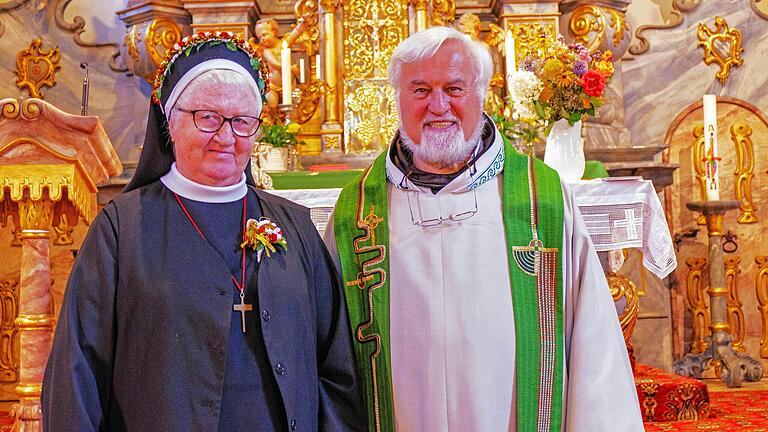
<point x="593" y="83"/>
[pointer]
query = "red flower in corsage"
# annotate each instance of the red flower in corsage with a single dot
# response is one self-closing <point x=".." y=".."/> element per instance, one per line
<point x="593" y="83"/>
<point x="264" y="236"/>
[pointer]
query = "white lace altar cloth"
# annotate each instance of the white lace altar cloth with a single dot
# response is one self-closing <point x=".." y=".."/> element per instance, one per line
<point x="625" y="212"/>
<point x="620" y="212"/>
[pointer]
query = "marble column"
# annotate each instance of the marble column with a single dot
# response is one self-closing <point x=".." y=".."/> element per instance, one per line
<point x="35" y="320"/>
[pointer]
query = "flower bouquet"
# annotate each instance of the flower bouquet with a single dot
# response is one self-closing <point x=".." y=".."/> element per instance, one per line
<point x="557" y="81"/>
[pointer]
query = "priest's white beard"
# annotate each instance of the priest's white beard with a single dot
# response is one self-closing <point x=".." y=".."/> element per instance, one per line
<point x="443" y="148"/>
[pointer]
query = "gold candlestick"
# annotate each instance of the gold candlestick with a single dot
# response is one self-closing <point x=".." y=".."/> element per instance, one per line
<point x="735" y="367"/>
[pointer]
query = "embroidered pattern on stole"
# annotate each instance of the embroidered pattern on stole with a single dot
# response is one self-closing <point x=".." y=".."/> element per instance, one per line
<point x="541" y="263"/>
<point x="366" y="274"/>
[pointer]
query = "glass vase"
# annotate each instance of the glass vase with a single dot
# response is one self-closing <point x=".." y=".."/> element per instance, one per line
<point x="565" y="150"/>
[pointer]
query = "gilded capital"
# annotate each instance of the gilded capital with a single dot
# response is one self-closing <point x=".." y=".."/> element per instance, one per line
<point x="418" y="4"/>
<point x="330" y="6"/>
<point x="35" y="217"/>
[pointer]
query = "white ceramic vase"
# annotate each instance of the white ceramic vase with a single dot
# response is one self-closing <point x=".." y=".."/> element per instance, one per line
<point x="565" y="150"/>
<point x="276" y="159"/>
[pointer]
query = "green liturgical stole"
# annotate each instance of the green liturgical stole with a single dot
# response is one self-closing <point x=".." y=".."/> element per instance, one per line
<point x="534" y="248"/>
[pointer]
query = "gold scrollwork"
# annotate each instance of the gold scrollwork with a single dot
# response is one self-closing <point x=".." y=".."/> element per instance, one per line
<point x="761" y="287"/>
<point x="373" y="115"/>
<point x="132" y="40"/>
<point x="697" y="301"/>
<point x="443" y="12"/>
<point x="588" y="26"/>
<point x="161" y="35"/>
<point x="307" y="10"/>
<point x="618" y="23"/>
<point x="532" y="37"/>
<point x="741" y="135"/>
<point x="309" y="100"/>
<point x="679" y="7"/>
<point x="698" y="165"/>
<point x="620" y="287"/>
<point x="9" y="309"/>
<point x="712" y="42"/>
<point x="733" y="304"/>
<point x="36" y="68"/>
<point x="331" y="141"/>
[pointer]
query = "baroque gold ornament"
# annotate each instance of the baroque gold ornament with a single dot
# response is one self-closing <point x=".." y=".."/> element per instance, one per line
<point x="36" y="68"/>
<point x="721" y="46"/>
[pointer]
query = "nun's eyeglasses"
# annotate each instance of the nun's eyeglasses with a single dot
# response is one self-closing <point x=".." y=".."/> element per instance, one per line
<point x="211" y="121"/>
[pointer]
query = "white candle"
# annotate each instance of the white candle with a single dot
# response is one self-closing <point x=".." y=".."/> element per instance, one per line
<point x="711" y="154"/>
<point x="317" y="67"/>
<point x="509" y="56"/>
<point x="301" y="70"/>
<point x="285" y="60"/>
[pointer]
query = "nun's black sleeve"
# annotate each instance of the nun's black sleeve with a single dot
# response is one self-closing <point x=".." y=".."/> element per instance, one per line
<point x="340" y="399"/>
<point x="78" y="378"/>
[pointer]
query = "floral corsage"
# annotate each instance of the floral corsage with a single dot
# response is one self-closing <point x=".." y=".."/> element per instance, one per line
<point x="264" y="236"/>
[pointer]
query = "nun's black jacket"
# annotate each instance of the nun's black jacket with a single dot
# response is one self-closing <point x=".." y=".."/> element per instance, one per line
<point x="142" y="335"/>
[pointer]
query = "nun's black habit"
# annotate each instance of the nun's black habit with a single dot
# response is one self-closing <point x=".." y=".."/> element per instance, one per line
<point x="147" y="339"/>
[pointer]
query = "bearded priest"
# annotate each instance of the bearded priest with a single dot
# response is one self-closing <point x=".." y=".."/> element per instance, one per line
<point x="475" y="295"/>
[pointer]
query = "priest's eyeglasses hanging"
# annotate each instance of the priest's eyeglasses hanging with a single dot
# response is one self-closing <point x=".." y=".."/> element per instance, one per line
<point x="432" y="222"/>
<point x="211" y="121"/>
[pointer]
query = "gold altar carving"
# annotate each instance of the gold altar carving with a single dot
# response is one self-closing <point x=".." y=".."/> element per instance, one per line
<point x="733" y="304"/>
<point x="162" y="34"/>
<point x="309" y="100"/>
<point x="741" y="135"/>
<point x="679" y="7"/>
<point x="698" y="166"/>
<point x="697" y="301"/>
<point x="368" y="128"/>
<point x="36" y="68"/>
<point x="590" y="24"/>
<point x="587" y="24"/>
<point x="618" y="23"/>
<point x="310" y="38"/>
<point x="532" y="37"/>
<point x="9" y="339"/>
<point x="132" y="40"/>
<point x="713" y="40"/>
<point x="372" y="30"/>
<point x="761" y="288"/>
<point x="622" y="287"/>
<point x="443" y="12"/>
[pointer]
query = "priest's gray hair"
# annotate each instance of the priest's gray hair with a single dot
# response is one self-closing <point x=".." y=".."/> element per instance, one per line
<point x="425" y="44"/>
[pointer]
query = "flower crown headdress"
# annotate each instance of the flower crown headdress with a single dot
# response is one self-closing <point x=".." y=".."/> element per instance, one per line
<point x="195" y="42"/>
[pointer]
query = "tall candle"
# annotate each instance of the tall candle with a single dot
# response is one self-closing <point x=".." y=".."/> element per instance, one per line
<point x="317" y="67"/>
<point x="301" y="70"/>
<point x="509" y="56"/>
<point x="285" y="60"/>
<point x="711" y="154"/>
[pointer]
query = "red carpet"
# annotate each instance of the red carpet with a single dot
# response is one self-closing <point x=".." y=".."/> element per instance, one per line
<point x="729" y="411"/>
<point x="666" y="397"/>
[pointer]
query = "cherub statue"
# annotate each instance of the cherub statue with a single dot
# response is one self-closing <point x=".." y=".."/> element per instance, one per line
<point x="469" y="24"/>
<point x="269" y="46"/>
